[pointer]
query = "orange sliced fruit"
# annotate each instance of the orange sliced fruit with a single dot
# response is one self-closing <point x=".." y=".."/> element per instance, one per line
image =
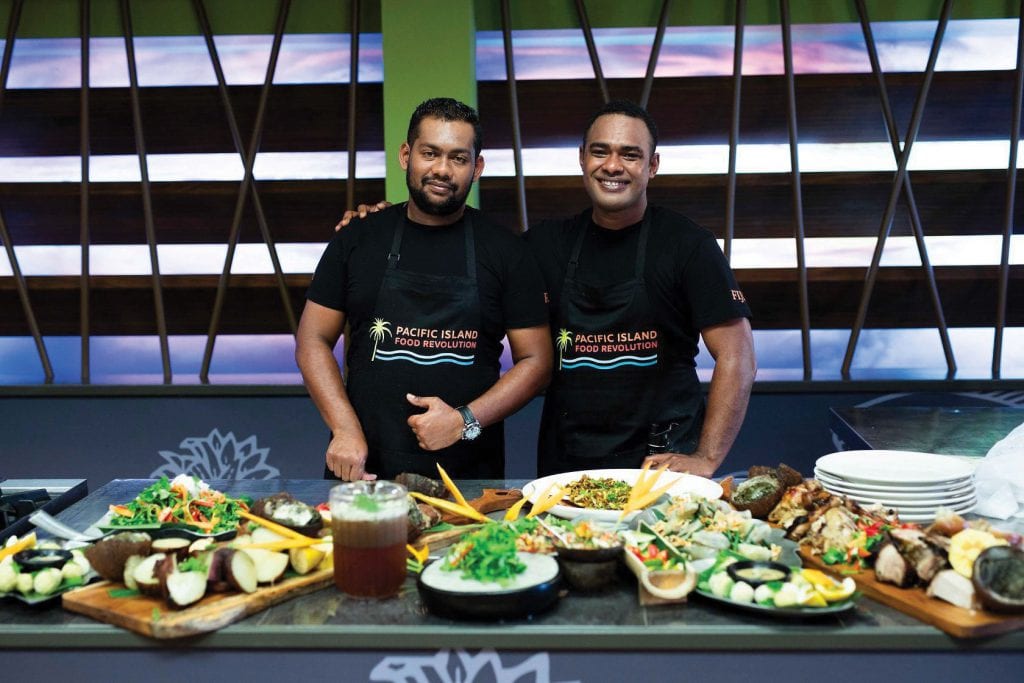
<point x="966" y="545"/>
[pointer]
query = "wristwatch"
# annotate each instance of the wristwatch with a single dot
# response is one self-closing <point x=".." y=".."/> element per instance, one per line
<point x="471" y="429"/>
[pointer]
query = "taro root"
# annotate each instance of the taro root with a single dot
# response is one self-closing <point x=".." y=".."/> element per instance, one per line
<point x="420" y="484"/>
<point x="128" y="576"/>
<point x="758" y="494"/>
<point x="239" y="569"/>
<point x="269" y="564"/>
<point x="421" y="518"/>
<point x="171" y="545"/>
<point x="108" y="555"/>
<point x="999" y="578"/>
<point x="184" y="588"/>
<point x="286" y="510"/>
<point x="146" y="576"/>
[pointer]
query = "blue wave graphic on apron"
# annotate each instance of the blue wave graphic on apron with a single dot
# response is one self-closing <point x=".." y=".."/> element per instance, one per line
<point x="610" y="364"/>
<point x="424" y="359"/>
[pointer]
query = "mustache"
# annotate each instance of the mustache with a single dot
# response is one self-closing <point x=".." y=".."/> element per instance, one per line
<point x="437" y="179"/>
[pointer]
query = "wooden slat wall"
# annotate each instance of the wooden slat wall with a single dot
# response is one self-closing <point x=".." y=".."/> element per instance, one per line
<point x="832" y="108"/>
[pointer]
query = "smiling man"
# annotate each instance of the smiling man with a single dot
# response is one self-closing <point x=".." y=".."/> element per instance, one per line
<point x="429" y="288"/>
<point x="632" y="289"/>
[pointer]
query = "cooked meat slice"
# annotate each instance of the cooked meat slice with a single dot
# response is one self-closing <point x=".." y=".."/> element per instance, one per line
<point x="892" y="567"/>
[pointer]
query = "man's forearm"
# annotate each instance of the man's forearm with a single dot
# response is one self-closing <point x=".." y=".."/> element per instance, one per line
<point x="728" y="396"/>
<point x="323" y="380"/>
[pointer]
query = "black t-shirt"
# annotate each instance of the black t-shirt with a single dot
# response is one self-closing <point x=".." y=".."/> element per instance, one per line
<point x="350" y="272"/>
<point x="689" y="282"/>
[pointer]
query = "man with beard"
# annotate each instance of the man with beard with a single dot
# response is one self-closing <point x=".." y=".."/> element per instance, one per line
<point x="632" y="289"/>
<point x="428" y="288"/>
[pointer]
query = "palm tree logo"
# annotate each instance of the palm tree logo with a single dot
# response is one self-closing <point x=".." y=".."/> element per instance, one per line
<point x="378" y="331"/>
<point x="564" y="340"/>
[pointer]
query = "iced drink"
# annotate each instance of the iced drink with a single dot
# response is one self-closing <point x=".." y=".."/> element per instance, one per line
<point x="369" y="522"/>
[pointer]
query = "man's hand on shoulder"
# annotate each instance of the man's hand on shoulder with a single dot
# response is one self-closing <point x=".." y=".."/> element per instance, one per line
<point x="360" y="211"/>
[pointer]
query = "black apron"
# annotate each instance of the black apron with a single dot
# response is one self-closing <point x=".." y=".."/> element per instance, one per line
<point x="617" y="387"/>
<point x="423" y="339"/>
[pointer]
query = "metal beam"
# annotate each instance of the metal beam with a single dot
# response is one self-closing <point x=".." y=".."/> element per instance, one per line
<point x="513" y="97"/>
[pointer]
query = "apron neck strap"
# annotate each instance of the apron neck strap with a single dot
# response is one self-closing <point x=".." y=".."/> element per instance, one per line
<point x="467" y="229"/>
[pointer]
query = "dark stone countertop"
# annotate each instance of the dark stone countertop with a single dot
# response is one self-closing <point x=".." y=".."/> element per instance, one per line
<point x="612" y="620"/>
<point x="968" y="431"/>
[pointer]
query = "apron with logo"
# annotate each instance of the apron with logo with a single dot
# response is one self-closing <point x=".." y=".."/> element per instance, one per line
<point x="613" y="377"/>
<point x="422" y="339"/>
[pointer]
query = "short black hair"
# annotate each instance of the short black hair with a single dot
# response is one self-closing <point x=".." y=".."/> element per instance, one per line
<point x="446" y="109"/>
<point x="626" y="108"/>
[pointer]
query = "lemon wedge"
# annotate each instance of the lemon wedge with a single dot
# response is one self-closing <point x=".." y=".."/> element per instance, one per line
<point x="813" y="599"/>
<point x="831" y="589"/>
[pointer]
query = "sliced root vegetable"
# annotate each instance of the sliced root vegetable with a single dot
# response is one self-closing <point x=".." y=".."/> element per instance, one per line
<point x="328" y="559"/>
<point x="200" y="545"/>
<point x="512" y="514"/>
<point x="178" y="547"/>
<point x="146" y="578"/>
<point x="216" y="571"/>
<point x="262" y="534"/>
<point x="130" y="565"/>
<point x="240" y="571"/>
<point x="185" y="588"/>
<point x="270" y="565"/>
<point x="305" y="560"/>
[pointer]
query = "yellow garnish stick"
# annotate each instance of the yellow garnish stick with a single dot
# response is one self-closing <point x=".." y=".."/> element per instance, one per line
<point x="448" y="506"/>
<point x="420" y="555"/>
<point x="286" y="544"/>
<point x="641" y="478"/>
<point x="27" y="541"/>
<point x="452" y="488"/>
<point x="512" y="514"/>
<point x="273" y="526"/>
<point x="648" y="498"/>
<point x="547" y="501"/>
<point x="644" y="484"/>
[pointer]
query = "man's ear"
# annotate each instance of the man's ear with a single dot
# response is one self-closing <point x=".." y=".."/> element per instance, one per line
<point x="403" y="155"/>
<point x="655" y="163"/>
<point x="479" y="167"/>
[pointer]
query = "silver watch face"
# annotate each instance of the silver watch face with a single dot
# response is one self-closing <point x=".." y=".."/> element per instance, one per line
<point x="471" y="431"/>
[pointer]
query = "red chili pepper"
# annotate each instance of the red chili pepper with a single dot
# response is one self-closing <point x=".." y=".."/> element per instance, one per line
<point x="203" y="503"/>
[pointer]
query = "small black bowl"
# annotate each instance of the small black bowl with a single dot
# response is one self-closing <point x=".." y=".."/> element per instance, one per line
<point x="580" y="554"/>
<point x="757" y="572"/>
<point x="41" y="558"/>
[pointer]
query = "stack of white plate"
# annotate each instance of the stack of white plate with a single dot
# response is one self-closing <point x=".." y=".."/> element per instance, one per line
<point x="915" y="484"/>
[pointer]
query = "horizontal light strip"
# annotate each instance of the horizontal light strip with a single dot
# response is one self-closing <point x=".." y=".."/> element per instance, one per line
<point x="952" y="155"/>
<point x="969" y="45"/>
<point x="269" y="359"/>
<point x="302" y="257"/>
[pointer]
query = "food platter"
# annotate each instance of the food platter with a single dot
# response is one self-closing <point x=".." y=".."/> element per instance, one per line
<point x="791" y="613"/>
<point x="103" y="527"/>
<point x="533" y="591"/>
<point x="684" y="484"/>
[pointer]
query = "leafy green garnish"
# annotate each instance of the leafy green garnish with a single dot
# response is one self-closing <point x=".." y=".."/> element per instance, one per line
<point x="488" y="554"/>
<point x="156" y="614"/>
<point x="366" y="502"/>
<point x="193" y="564"/>
<point x="122" y="593"/>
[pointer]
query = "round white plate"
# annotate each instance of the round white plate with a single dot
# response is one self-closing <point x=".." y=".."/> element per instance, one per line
<point x="894" y="468"/>
<point x="889" y="491"/>
<point x="928" y="517"/>
<point x="915" y="505"/>
<point x="684" y="484"/>
<point x="903" y="497"/>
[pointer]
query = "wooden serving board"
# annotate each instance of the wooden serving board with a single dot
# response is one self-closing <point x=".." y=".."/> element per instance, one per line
<point x="492" y="500"/>
<point x="956" y="621"/>
<point x="153" y="617"/>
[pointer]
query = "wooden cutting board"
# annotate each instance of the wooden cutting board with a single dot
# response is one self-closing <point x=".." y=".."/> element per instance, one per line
<point x="153" y="617"/>
<point x="491" y="500"/>
<point x="956" y="621"/>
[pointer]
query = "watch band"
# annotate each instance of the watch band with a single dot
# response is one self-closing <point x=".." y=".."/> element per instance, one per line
<point x="471" y="426"/>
